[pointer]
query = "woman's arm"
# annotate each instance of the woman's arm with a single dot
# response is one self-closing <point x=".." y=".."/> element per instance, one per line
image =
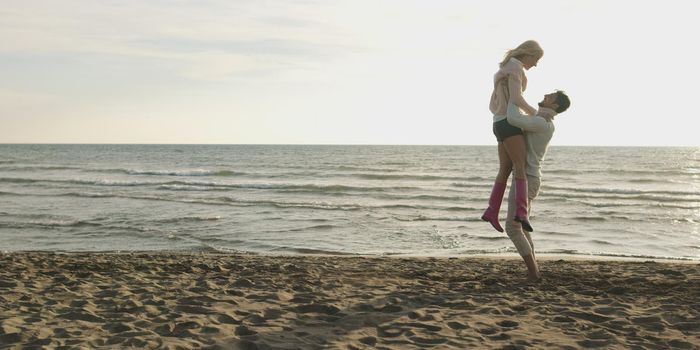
<point x="515" y="91"/>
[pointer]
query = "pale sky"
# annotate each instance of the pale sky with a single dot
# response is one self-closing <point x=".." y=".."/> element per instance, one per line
<point x="340" y="72"/>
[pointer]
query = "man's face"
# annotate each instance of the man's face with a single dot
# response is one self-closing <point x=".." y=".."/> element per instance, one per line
<point x="549" y="101"/>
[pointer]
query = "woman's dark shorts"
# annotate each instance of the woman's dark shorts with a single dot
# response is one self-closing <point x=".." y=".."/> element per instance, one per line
<point x="503" y="130"/>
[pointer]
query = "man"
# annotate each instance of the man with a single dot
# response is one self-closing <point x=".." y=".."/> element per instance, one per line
<point x="538" y="132"/>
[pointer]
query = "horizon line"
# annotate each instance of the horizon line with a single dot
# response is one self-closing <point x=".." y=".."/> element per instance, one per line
<point x="306" y="144"/>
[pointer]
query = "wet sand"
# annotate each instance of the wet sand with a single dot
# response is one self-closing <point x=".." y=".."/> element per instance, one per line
<point x="182" y="301"/>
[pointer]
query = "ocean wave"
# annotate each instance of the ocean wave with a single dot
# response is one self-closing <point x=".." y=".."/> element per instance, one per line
<point x="400" y="177"/>
<point x="425" y="197"/>
<point x="679" y="206"/>
<point x="328" y="188"/>
<point x="211" y="248"/>
<point x="649" y="196"/>
<point x="325" y="227"/>
<point x="643" y="217"/>
<point x="604" y="204"/>
<point x="618" y="191"/>
<point x="177" y="187"/>
<point x="660" y="204"/>
<point x="563" y="234"/>
<point x="85" y="194"/>
<point x="189" y="219"/>
<point x="491" y="238"/>
<point x="646" y="181"/>
<point x="564" y="172"/>
<point x="362" y="168"/>
<point x="617" y="205"/>
<point x="37" y="167"/>
<point x="225" y="200"/>
<point x="318" y="173"/>
<point x="576" y="252"/>
<point x="39" y="217"/>
<point x="185" y="172"/>
<point x="437" y="218"/>
<point x="484" y="184"/>
<point x="590" y="218"/>
<point x="286" y="187"/>
<point x="309" y="251"/>
<point x="221" y="201"/>
<point x="622" y="172"/>
<point x="48" y="224"/>
<point x="101" y="182"/>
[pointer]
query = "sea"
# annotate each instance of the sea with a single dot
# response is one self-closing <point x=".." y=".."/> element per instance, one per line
<point x="639" y="202"/>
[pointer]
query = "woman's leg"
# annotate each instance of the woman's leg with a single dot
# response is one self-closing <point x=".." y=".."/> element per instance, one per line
<point x="516" y="149"/>
<point x="505" y="164"/>
<point x="499" y="188"/>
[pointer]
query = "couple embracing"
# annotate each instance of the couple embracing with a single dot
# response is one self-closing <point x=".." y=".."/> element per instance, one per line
<point x="522" y="144"/>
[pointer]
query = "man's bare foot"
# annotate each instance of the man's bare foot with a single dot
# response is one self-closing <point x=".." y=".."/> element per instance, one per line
<point x="532" y="279"/>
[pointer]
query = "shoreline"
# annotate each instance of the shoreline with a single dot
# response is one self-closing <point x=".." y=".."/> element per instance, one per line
<point x="495" y="256"/>
<point x="248" y="301"/>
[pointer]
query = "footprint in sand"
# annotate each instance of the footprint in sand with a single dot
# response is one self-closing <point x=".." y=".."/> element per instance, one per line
<point x="210" y="330"/>
<point x="390" y="309"/>
<point x="182" y="329"/>
<point x="242" y="283"/>
<point x="611" y="310"/>
<point x="688" y="326"/>
<point x="594" y="343"/>
<point x="415" y="314"/>
<point x="226" y="319"/>
<point x="600" y="335"/>
<point x="255" y="319"/>
<point x="369" y="341"/>
<point x="117" y="327"/>
<point x="193" y="309"/>
<point x="428" y="341"/>
<point x="508" y="324"/>
<point x="244" y="331"/>
<point x="63" y="333"/>
<point x="82" y="315"/>
<point x="272" y="314"/>
<point x="7" y="283"/>
<point x="389" y="332"/>
<point x="680" y="344"/>
<point x="652" y="323"/>
<point x="456" y="325"/>
<point x="487" y="330"/>
<point x="588" y="316"/>
<point x="10" y="338"/>
<point x="317" y="308"/>
<point x="35" y="342"/>
<point x="672" y="273"/>
<point x="424" y="326"/>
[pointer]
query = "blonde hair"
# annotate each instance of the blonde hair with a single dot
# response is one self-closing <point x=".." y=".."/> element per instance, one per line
<point x="530" y="47"/>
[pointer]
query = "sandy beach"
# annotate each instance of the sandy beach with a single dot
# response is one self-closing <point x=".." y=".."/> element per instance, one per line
<point x="181" y="301"/>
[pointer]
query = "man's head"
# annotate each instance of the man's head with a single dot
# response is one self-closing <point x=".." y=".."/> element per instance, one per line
<point x="558" y="101"/>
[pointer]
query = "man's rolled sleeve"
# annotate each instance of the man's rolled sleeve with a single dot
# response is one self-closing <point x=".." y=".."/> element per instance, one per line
<point x="525" y="122"/>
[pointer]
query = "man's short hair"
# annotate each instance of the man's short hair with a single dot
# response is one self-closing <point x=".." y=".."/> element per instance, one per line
<point x="562" y="102"/>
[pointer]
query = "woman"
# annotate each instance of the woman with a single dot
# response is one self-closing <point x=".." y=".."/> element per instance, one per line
<point x="509" y="83"/>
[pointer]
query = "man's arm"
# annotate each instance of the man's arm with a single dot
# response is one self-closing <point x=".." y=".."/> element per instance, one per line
<point x="526" y="122"/>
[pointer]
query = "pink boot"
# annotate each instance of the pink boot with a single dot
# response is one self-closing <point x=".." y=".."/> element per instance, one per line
<point x="491" y="213"/>
<point x="521" y="204"/>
